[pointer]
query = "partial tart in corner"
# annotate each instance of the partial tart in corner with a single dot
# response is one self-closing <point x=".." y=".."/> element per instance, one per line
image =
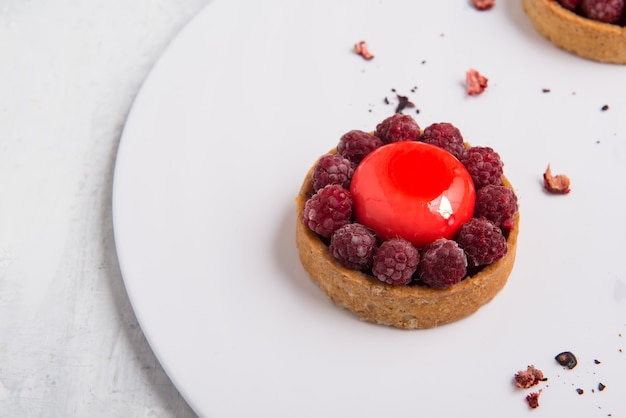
<point x="567" y="25"/>
<point x="408" y="228"/>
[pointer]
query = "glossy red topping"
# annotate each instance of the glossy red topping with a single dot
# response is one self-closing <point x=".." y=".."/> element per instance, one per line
<point x="412" y="190"/>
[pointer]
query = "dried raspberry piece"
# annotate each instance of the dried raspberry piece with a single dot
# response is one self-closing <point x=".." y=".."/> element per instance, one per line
<point x="332" y="169"/>
<point x="569" y="4"/>
<point x="558" y="184"/>
<point x="484" y="165"/>
<point x="483" y="4"/>
<point x="498" y="204"/>
<point x="395" y="261"/>
<point x="328" y="210"/>
<point x="362" y="49"/>
<point x="482" y="242"/>
<point x="608" y="11"/>
<point x="445" y="135"/>
<point x="398" y="127"/>
<point x="443" y="263"/>
<point x="476" y="82"/>
<point x="529" y="377"/>
<point x="353" y="245"/>
<point x="533" y="399"/>
<point x="355" y="145"/>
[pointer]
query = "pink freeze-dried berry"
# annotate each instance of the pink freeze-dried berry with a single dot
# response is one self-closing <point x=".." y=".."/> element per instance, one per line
<point x="482" y="241"/>
<point x="328" y="210"/>
<point x="476" y="83"/>
<point x="533" y="399"/>
<point x="529" y="377"/>
<point x="483" y="4"/>
<point x="569" y="4"/>
<point x="443" y="264"/>
<point x="332" y="169"/>
<point x="353" y="245"/>
<point x="498" y="204"/>
<point x="355" y="145"/>
<point x="484" y="165"/>
<point x="395" y="261"/>
<point x="398" y="127"/>
<point x="445" y="135"/>
<point x="608" y="11"/>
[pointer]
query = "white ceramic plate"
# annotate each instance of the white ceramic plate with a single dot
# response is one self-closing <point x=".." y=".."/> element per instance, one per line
<point x="219" y="140"/>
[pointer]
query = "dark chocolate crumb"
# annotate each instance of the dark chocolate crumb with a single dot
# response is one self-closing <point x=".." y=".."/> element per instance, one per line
<point x="566" y="359"/>
<point x="393" y="90"/>
<point x="403" y="103"/>
<point x="414" y="89"/>
<point x="601" y="387"/>
<point x="386" y="100"/>
<point x="579" y="391"/>
<point x="596" y="361"/>
<point x="417" y="111"/>
<point x="605" y="108"/>
<point x="423" y="61"/>
<point x="545" y="90"/>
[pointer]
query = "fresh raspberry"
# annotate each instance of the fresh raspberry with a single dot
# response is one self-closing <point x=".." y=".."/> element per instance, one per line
<point x="395" y="261"/>
<point x="332" y="169"/>
<point x="482" y="242"/>
<point x="328" y="210"/>
<point x="446" y="136"/>
<point x="498" y="204"/>
<point x="608" y="11"/>
<point x="398" y="127"/>
<point x="355" y="145"/>
<point x="484" y="165"/>
<point x="569" y="4"/>
<point x="443" y="264"/>
<point x="353" y="245"/>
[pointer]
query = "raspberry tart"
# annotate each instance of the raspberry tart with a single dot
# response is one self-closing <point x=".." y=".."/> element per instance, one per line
<point x="592" y="29"/>
<point x="423" y="232"/>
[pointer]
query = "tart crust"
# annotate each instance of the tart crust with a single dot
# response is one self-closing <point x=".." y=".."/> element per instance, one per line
<point x="406" y="307"/>
<point x="587" y="38"/>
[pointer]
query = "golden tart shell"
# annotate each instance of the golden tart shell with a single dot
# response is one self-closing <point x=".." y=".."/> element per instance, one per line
<point x="406" y="307"/>
<point x="587" y="38"/>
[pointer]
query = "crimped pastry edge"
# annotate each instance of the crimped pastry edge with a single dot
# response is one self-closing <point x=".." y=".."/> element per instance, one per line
<point x="597" y="41"/>
<point x="405" y="307"/>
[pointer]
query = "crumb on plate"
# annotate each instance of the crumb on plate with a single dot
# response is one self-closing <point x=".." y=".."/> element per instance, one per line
<point x="559" y="184"/>
<point x="476" y="82"/>
<point x="362" y="49"/>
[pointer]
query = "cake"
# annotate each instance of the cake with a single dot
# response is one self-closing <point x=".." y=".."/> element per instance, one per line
<point x="414" y="306"/>
<point x="588" y="38"/>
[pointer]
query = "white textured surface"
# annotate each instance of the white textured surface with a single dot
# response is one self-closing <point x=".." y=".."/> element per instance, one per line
<point x="69" y="342"/>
